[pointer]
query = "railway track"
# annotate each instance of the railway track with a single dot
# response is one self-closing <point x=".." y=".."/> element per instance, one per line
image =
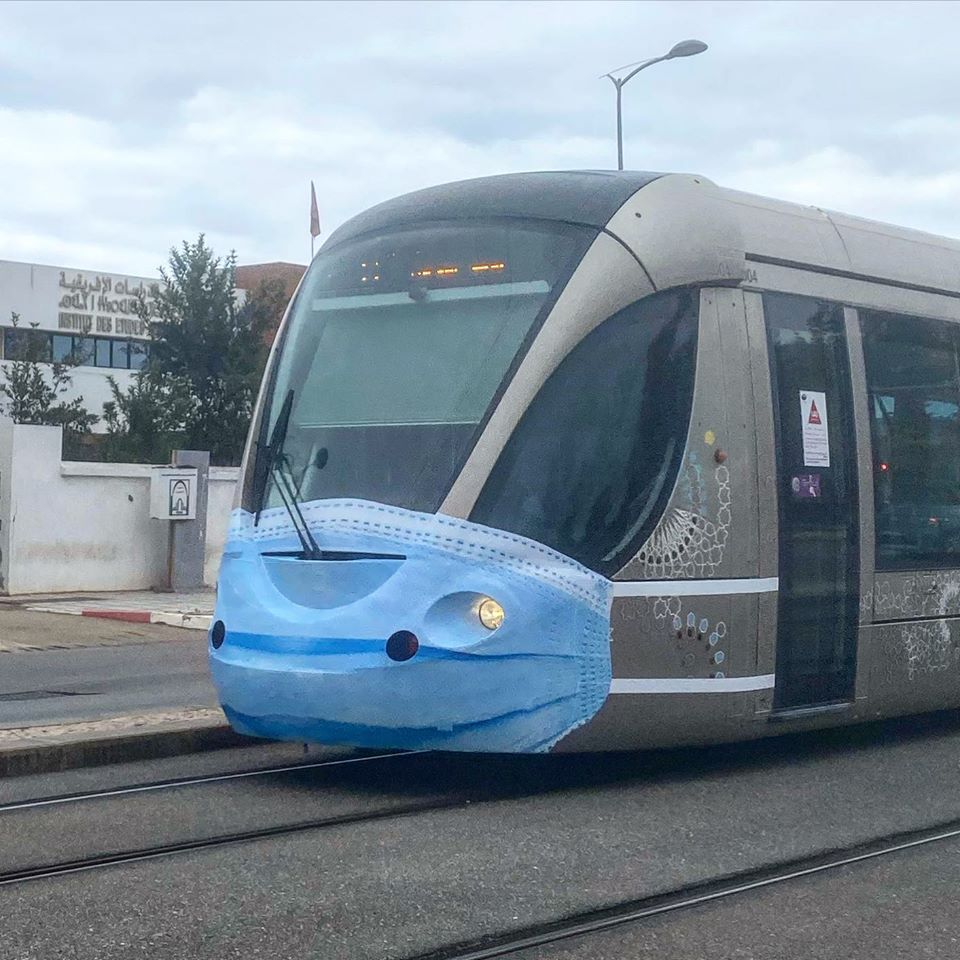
<point x="322" y="796"/>
<point x="73" y="832"/>
<point x="153" y="852"/>
<point x="512" y="943"/>
<point x="174" y="782"/>
<point x="101" y="828"/>
<point x="581" y="926"/>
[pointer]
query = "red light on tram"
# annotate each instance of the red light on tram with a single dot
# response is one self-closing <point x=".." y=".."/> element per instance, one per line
<point x="884" y="467"/>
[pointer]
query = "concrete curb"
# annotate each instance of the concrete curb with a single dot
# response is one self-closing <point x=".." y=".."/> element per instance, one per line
<point x="49" y="754"/>
<point x="188" y="621"/>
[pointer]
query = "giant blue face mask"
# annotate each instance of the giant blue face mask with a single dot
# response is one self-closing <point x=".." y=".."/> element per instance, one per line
<point x="305" y="651"/>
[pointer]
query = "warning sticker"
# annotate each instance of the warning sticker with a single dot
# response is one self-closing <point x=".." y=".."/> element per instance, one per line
<point x="816" y="436"/>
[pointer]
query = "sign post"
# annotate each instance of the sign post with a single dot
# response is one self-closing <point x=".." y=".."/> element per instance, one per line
<point x="178" y="493"/>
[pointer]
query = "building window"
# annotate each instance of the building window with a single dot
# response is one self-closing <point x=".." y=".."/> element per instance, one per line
<point x="913" y="382"/>
<point x="22" y="343"/>
<point x="83" y="351"/>
<point x="139" y="352"/>
<point x="62" y="348"/>
<point x="121" y="354"/>
<point x="40" y="345"/>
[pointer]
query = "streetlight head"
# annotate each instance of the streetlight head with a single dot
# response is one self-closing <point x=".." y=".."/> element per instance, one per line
<point x="686" y="48"/>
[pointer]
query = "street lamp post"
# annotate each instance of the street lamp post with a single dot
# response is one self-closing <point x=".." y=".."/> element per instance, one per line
<point x="686" y="48"/>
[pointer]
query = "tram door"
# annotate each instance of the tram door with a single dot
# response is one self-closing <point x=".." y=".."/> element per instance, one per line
<point x="817" y="485"/>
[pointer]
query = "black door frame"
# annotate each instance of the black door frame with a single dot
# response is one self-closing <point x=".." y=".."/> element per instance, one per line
<point x="792" y="691"/>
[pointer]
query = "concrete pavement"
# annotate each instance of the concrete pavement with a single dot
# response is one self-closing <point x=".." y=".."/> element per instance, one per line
<point x="76" y="690"/>
<point x="91" y="683"/>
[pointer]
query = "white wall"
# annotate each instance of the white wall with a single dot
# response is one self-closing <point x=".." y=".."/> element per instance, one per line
<point x="68" y="527"/>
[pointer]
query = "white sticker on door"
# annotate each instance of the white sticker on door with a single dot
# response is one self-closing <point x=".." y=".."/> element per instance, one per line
<point x="816" y="436"/>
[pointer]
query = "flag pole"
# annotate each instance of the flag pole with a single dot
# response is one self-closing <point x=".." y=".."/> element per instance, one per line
<point x="314" y="219"/>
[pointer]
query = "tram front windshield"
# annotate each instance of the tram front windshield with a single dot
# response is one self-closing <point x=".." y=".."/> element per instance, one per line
<point x="396" y="348"/>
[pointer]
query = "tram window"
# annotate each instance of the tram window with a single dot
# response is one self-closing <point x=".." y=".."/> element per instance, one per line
<point x="397" y="346"/>
<point x="913" y="380"/>
<point x="593" y="461"/>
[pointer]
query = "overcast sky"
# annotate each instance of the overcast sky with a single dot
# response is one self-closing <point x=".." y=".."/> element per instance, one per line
<point x="127" y="127"/>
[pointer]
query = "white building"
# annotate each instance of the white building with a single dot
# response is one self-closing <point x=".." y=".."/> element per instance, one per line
<point x="86" y="314"/>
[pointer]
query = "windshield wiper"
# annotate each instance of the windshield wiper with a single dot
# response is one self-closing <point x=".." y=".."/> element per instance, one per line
<point x="277" y="465"/>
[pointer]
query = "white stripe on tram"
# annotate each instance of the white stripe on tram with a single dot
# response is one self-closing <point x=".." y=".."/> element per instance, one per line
<point x="693" y="588"/>
<point x="692" y="684"/>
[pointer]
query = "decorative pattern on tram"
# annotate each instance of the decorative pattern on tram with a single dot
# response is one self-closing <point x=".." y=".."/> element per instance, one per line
<point x="690" y="539"/>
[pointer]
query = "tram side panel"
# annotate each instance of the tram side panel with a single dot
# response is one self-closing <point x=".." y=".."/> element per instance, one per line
<point x="908" y="636"/>
<point x="684" y="659"/>
<point x="910" y="618"/>
<point x="914" y="642"/>
<point x="767" y="507"/>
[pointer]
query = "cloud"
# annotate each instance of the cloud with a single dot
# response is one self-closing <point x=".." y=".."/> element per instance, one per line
<point x="223" y="159"/>
<point x="834" y="179"/>
<point x="125" y="129"/>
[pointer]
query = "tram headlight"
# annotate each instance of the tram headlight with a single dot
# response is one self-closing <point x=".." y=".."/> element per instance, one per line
<point x="490" y="613"/>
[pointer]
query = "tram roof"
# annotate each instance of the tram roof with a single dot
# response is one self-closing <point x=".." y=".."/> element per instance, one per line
<point x="711" y="232"/>
<point x="684" y="228"/>
<point x="589" y="197"/>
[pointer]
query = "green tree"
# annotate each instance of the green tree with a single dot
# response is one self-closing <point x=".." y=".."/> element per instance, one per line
<point x="32" y="385"/>
<point x="264" y="308"/>
<point x="145" y="421"/>
<point x="207" y="353"/>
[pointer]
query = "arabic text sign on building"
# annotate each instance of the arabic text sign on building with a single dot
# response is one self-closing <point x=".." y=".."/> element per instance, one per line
<point x="102" y="303"/>
<point x="83" y="302"/>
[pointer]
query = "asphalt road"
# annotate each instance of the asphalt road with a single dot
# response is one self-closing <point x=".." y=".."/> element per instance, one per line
<point x="903" y="906"/>
<point x="132" y="668"/>
<point x="603" y="831"/>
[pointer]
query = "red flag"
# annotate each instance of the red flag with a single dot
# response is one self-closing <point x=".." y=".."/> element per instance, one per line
<point x="314" y="213"/>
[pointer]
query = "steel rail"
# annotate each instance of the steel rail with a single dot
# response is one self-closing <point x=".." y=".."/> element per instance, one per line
<point x="685" y="898"/>
<point x="79" y="865"/>
<point x="193" y="781"/>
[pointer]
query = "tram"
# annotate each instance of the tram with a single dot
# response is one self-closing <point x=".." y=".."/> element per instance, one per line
<point x="597" y="460"/>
